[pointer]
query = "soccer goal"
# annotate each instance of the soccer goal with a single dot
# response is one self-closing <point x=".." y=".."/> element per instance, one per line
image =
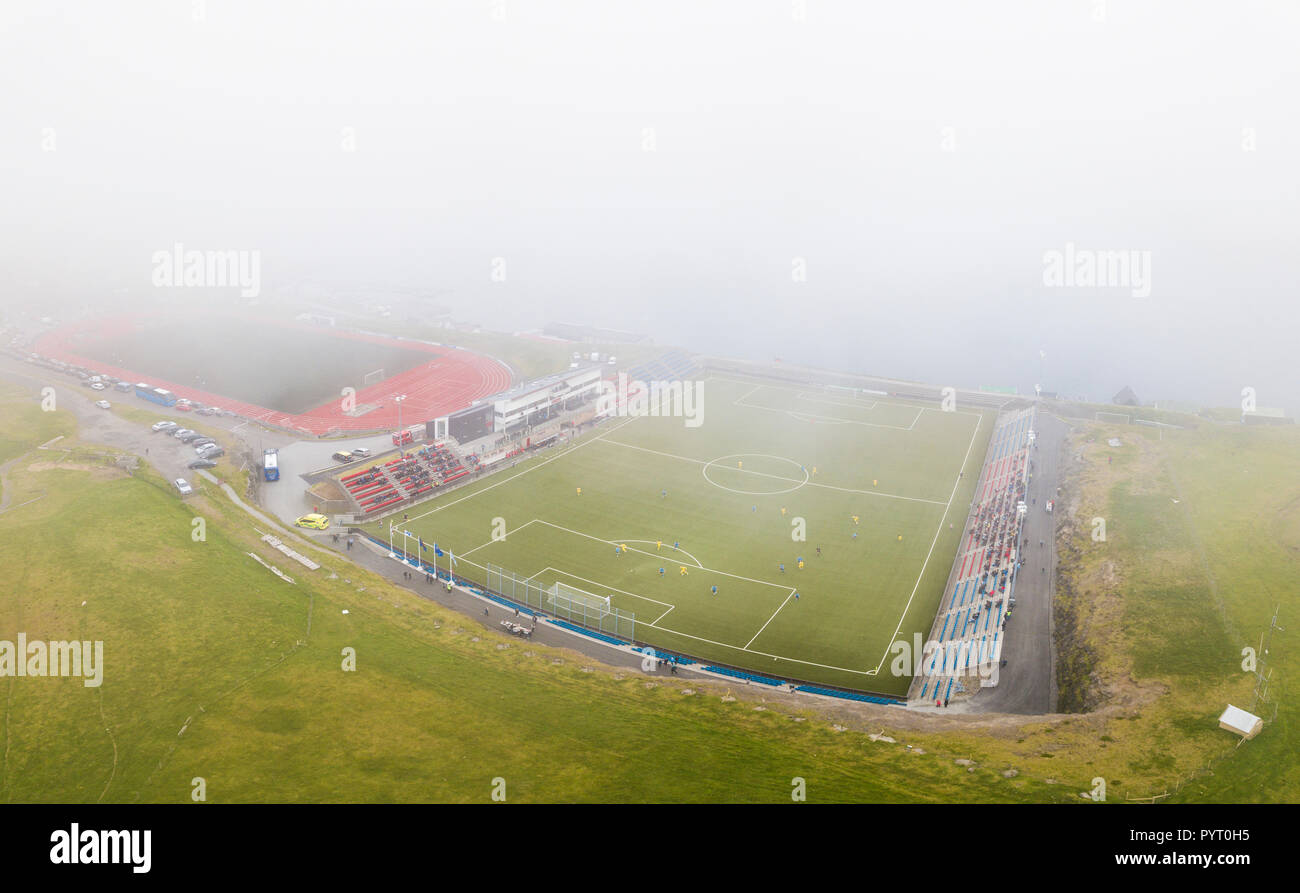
<point x="1113" y="417"/>
<point x="570" y="600"/>
<point x="374" y="377"/>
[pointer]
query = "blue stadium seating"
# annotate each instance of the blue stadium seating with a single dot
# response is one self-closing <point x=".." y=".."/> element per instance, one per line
<point x="851" y="695"/>
<point x="740" y="674"/>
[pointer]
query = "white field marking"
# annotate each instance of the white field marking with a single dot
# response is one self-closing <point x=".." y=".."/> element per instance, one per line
<point x="778" y="477"/>
<point x="798" y="417"/>
<point x="502" y="540"/>
<point x="796" y="413"/>
<point x="793" y="660"/>
<point x="889" y="401"/>
<point x="559" y="455"/>
<point x="928" y="554"/>
<point x="564" y="573"/>
<point x="647" y="542"/>
<point x="805" y="395"/>
<point x="769" y="620"/>
<point x="662" y="616"/>
<point x="655" y="554"/>
<point x="797" y="484"/>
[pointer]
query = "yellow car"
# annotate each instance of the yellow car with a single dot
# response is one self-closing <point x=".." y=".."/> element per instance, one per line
<point x="314" y="521"/>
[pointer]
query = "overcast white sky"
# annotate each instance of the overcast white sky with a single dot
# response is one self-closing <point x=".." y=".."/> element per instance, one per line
<point x="659" y="166"/>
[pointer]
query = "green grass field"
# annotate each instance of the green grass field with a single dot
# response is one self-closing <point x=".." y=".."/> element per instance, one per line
<point x="740" y="488"/>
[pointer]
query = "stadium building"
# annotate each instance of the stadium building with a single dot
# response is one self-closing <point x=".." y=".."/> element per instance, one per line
<point x="534" y="401"/>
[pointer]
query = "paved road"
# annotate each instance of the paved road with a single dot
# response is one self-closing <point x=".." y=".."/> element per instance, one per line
<point x="1027" y="684"/>
<point x="165" y="453"/>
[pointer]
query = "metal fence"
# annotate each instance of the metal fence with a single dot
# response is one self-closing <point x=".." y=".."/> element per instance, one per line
<point x="532" y="594"/>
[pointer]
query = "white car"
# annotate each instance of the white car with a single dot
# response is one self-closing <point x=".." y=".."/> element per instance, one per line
<point x="97" y="386"/>
<point x="163" y="426"/>
<point x="1051" y="504"/>
<point x="103" y="404"/>
<point x="183" y="486"/>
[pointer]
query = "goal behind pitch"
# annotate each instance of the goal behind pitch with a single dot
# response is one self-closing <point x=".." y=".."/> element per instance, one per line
<point x="374" y="377"/>
<point x="1121" y="418"/>
<point x="571" y="600"/>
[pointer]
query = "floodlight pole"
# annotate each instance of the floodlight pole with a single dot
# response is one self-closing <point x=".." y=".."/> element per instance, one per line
<point x="398" y="400"/>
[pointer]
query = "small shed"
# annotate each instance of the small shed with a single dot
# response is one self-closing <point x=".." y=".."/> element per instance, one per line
<point x="1245" y="724"/>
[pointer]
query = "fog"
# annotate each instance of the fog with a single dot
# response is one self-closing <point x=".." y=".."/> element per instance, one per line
<point x="863" y="186"/>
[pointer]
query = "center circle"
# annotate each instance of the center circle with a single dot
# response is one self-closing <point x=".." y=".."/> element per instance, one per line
<point x="743" y="456"/>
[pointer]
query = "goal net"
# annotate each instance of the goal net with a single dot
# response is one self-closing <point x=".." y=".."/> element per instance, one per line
<point x="1113" y="417"/>
<point x="374" y="377"/>
<point x="571" y="600"/>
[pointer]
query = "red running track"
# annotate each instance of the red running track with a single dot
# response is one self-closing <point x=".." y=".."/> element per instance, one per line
<point x="449" y="382"/>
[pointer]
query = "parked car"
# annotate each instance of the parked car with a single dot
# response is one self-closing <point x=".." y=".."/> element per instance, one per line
<point x="163" y="426"/>
<point x="182" y="406"/>
<point x="1051" y="504"/>
<point x="202" y="463"/>
<point x="211" y="452"/>
<point x="183" y="486"/>
<point x="97" y="386"/>
<point x="361" y="453"/>
<point x="103" y="404"/>
<point x="313" y="521"/>
<point x="342" y="456"/>
<point x="189" y="438"/>
<point x="204" y="441"/>
<point x="181" y="432"/>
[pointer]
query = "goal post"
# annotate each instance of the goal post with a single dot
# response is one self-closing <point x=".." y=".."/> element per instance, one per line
<point x="572" y="600"/>
<point x="374" y="377"/>
<point x="563" y="601"/>
<point x="1113" y="417"/>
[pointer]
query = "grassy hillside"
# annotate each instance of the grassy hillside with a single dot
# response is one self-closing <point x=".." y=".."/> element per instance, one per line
<point x="216" y="669"/>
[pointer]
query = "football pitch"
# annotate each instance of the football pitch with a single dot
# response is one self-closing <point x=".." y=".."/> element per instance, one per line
<point x="881" y="486"/>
